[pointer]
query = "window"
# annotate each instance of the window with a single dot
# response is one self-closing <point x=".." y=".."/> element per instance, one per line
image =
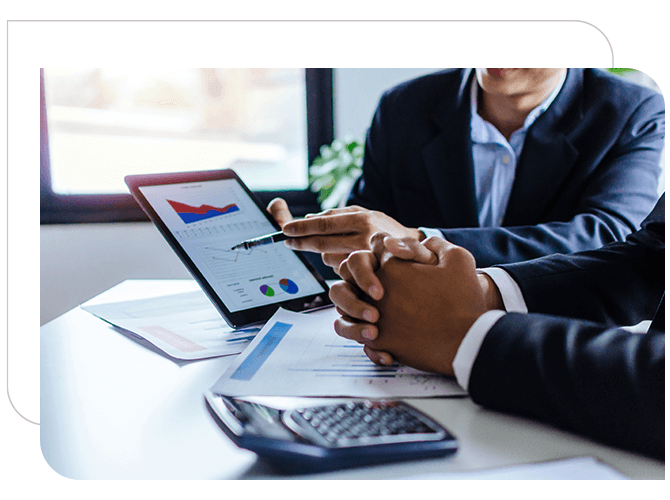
<point x="98" y="125"/>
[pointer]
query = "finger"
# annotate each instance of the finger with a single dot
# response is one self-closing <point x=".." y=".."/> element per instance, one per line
<point x="351" y="329"/>
<point x="328" y="244"/>
<point x="410" y="249"/>
<point x="344" y="295"/>
<point x="377" y="243"/>
<point x="436" y="245"/>
<point x="278" y="208"/>
<point x="458" y="256"/>
<point x="334" y="260"/>
<point x="361" y="267"/>
<point x="340" y="223"/>
<point x="378" y="357"/>
<point x="335" y="211"/>
<point x="344" y="272"/>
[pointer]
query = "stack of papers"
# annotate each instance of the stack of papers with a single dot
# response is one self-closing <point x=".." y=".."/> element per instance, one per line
<point x="185" y="325"/>
<point x="294" y="355"/>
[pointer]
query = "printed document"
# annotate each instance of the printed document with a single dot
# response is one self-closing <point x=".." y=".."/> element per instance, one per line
<point x="184" y="325"/>
<point x="299" y="354"/>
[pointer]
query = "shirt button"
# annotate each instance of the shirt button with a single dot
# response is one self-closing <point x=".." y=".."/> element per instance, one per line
<point x="506" y="159"/>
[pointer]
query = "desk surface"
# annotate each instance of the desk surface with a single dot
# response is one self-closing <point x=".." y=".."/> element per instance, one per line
<point x="113" y="408"/>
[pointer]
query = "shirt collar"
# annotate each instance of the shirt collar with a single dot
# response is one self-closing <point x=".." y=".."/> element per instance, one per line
<point x="532" y="116"/>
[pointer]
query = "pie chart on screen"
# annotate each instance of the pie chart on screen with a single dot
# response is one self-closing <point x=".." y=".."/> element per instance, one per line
<point x="267" y="291"/>
<point x="288" y="286"/>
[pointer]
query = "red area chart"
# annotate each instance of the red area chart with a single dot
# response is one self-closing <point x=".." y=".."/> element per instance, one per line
<point x="189" y="214"/>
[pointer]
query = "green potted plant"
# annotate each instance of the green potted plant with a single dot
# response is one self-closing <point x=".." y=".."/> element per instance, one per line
<point x="334" y="171"/>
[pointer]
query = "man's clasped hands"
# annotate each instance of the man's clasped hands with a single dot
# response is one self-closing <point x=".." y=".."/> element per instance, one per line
<point x="403" y="299"/>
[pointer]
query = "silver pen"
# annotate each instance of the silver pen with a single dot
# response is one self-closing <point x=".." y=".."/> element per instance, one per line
<point x="268" y="239"/>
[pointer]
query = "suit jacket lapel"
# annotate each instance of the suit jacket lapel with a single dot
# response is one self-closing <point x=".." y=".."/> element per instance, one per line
<point x="448" y="159"/>
<point x="548" y="154"/>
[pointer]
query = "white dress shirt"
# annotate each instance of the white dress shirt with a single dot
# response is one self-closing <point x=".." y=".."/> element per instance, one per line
<point x="512" y="300"/>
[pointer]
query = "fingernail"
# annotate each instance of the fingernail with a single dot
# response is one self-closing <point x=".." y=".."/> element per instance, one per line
<point x="374" y="292"/>
<point x="401" y="244"/>
<point x="288" y="230"/>
<point x="368" y="333"/>
<point x="385" y="360"/>
<point x="368" y="315"/>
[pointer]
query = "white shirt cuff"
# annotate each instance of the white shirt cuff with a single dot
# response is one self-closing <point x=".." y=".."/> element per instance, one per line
<point x="509" y="289"/>
<point x="469" y="348"/>
<point x="431" y="232"/>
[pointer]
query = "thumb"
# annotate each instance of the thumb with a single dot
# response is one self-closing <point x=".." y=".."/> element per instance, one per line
<point x="278" y="208"/>
<point x="447" y="251"/>
<point x="409" y="249"/>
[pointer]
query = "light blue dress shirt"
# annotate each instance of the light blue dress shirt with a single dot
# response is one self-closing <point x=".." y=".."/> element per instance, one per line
<point x="495" y="160"/>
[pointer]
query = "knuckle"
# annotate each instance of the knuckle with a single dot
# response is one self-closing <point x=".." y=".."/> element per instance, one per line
<point x="459" y="255"/>
<point x="335" y="292"/>
<point x="333" y="260"/>
<point x="323" y="224"/>
<point x="378" y="237"/>
<point x="432" y="240"/>
<point x="297" y="243"/>
<point x="359" y="259"/>
<point x="320" y="244"/>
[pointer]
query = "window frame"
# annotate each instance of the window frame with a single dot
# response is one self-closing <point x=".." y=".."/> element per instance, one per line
<point x="67" y="209"/>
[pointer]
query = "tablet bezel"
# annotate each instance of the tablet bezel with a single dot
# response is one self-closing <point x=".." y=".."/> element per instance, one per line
<point x="235" y="319"/>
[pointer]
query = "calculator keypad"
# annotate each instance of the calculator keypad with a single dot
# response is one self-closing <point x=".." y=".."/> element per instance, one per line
<point x="359" y="423"/>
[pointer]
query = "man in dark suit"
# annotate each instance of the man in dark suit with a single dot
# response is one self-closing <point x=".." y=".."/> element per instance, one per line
<point x="511" y="164"/>
<point x="567" y="361"/>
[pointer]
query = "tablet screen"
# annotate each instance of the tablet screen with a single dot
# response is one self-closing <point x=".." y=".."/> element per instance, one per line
<point x="207" y="218"/>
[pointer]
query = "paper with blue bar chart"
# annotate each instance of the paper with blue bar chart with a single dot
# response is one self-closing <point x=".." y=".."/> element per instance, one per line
<point x="301" y="355"/>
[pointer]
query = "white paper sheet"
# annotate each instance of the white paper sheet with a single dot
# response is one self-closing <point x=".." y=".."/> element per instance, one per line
<point x="185" y="325"/>
<point x="571" y="468"/>
<point x="301" y="355"/>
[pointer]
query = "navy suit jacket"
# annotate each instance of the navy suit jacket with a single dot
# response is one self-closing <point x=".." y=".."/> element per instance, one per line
<point x="587" y="174"/>
<point x="585" y="374"/>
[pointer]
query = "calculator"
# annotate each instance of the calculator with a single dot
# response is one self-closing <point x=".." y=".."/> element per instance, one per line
<point x="354" y="433"/>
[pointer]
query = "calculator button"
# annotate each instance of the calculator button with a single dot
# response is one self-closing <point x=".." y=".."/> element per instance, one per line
<point x="323" y="429"/>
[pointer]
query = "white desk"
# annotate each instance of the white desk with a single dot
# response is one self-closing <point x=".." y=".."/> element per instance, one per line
<point x="112" y="408"/>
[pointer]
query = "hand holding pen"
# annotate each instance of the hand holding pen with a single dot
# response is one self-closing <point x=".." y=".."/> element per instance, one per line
<point x="337" y="232"/>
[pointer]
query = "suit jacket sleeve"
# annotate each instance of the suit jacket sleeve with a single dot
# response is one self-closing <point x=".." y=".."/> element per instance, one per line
<point x="591" y="285"/>
<point x="614" y="200"/>
<point x="588" y="377"/>
<point x="608" y="384"/>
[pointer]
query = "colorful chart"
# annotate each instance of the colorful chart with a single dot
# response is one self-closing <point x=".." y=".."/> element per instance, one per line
<point x="267" y="291"/>
<point x="288" y="286"/>
<point x="190" y="214"/>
